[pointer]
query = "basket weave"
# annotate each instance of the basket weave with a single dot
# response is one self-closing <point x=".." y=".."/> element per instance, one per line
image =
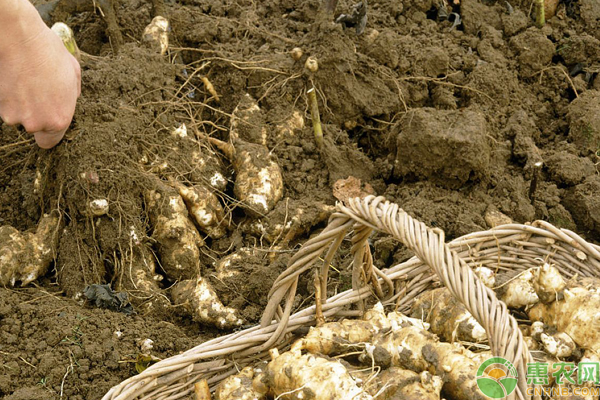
<point x="512" y="247"/>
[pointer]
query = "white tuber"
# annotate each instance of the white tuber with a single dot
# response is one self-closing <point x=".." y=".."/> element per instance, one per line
<point x="548" y="283"/>
<point x="156" y="34"/>
<point x="519" y="292"/>
<point x="200" y="300"/>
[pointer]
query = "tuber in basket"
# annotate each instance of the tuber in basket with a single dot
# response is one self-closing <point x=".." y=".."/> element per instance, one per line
<point x="506" y="248"/>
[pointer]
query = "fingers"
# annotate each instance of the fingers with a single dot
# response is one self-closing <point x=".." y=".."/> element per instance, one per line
<point x="47" y="140"/>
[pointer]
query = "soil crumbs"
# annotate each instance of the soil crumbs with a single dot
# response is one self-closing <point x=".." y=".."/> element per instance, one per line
<point x="452" y="123"/>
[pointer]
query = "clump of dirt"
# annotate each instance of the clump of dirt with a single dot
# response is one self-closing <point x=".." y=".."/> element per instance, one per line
<point x="447" y="121"/>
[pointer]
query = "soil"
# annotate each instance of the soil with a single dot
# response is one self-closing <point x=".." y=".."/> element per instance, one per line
<point x="451" y="123"/>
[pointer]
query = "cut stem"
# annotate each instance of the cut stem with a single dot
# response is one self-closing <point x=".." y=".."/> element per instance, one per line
<point x="316" y="118"/>
<point x="201" y="390"/>
<point x="540" y="14"/>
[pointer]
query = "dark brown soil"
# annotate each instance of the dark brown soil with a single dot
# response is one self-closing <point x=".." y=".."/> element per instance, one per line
<point x="448" y="123"/>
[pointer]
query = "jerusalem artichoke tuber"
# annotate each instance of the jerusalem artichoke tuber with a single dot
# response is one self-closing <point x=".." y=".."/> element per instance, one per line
<point x="26" y="256"/>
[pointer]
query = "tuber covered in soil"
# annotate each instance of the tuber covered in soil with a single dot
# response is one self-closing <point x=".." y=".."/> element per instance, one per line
<point x="199" y="300"/>
<point x="419" y="350"/>
<point x="447" y="316"/>
<point x="176" y="236"/>
<point x="25" y="256"/>
<point x="258" y="181"/>
<point x="293" y="375"/>
<point x="248" y="384"/>
<point x="205" y="208"/>
<point x="579" y="308"/>
<point x="402" y="384"/>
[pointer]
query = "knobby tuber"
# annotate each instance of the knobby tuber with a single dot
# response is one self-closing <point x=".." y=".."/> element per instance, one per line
<point x="576" y="314"/>
<point x="177" y="239"/>
<point x="447" y="316"/>
<point x="248" y="384"/>
<point x="519" y="292"/>
<point x="25" y="256"/>
<point x="205" y="208"/>
<point x="156" y="34"/>
<point x="258" y="181"/>
<point x="288" y="127"/>
<point x="139" y="277"/>
<point x="548" y="283"/>
<point x="401" y="384"/>
<point x="335" y="338"/>
<point x="293" y="375"/>
<point x="566" y="306"/>
<point x="199" y="300"/>
<point x="418" y="350"/>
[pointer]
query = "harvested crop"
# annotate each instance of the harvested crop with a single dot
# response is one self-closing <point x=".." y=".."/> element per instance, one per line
<point x="397" y="383"/>
<point x="156" y="34"/>
<point x="419" y="350"/>
<point x="487" y="276"/>
<point x="258" y="181"/>
<point x="296" y="53"/>
<point x="293" y="375"/>
<point x="205" y="208"/>
<point x="177" y="239"/>
<point x="559" y="344"/>
<point x="202" y="391"/>
<point x="447" y="316"/>
<point x="200" y="300"/>
<point x="248" y="122"/>
<point x="519" y="291"/>
<point x="579" y="308"/>
<point x="246" y="385"/>
<point x="548" y="283"/>
<point x="25" y="256"/>
<point x="311" y="64"/>
<point x="139" y="277"/>
<point x="98" y="207"/>
<point x="335" y="338"/>
<point x="287" y="128"/>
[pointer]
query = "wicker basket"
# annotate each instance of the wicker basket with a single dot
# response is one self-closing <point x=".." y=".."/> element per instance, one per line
<point x="505" y="248"/>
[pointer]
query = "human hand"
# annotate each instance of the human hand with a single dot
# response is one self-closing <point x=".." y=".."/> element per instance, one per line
<point x="39" y="84"/>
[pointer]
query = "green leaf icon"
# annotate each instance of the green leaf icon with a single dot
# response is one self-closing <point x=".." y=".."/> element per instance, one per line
<point x="491" y="388"/>
<point x="509" y="383"/>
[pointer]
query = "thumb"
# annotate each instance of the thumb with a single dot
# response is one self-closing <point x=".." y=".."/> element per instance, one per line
<point x="47" y="140"/>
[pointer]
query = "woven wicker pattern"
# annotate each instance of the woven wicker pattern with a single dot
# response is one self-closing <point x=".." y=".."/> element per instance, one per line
<point x="506" y="248"/>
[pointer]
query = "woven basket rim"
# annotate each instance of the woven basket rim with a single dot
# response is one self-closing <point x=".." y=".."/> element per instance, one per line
<point x="517" y="247"/>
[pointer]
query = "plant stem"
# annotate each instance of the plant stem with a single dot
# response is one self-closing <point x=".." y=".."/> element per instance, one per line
<point x="540" y="15"/>
<point x="316" y="118"/>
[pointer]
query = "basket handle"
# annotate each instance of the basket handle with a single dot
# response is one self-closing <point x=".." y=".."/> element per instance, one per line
<point x="505" y="337"/>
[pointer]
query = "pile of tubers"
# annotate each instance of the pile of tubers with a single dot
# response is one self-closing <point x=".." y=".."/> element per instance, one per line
<point x="395" y="356"/>
<point x="381" y="356"/>
<point x="162" y="265"/>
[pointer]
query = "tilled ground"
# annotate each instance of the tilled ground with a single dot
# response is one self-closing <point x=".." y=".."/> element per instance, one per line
<point x="451" y="123"/>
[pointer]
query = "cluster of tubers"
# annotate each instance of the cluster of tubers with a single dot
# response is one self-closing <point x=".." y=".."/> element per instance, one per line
<point x="394" y="356"/>
<point x="182" y="213"/>
<point x="161" y="265"/>
<point x="379" y="357"/>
